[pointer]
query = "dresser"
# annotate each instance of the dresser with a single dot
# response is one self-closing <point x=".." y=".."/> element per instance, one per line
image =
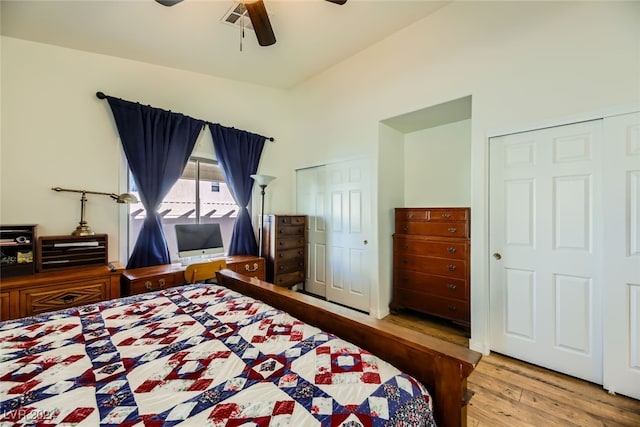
<point x="284" y="247"/>
<point x="38" y="293"/>
<point x="431" y="254"/>
<point x="158" y="277"/>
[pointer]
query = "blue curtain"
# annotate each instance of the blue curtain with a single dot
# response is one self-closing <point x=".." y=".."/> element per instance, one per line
<point x="239" y="153"/>
<point x="157" y="144"/>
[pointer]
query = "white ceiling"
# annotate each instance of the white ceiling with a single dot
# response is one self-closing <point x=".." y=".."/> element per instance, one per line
<point x="312" y="35"/>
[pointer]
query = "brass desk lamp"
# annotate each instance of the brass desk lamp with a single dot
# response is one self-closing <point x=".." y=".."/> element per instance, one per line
<point x="83" y="228"/>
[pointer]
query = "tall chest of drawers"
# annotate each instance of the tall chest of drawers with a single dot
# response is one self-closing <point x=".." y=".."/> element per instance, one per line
<point x="431" y="254"/>
<point x="284" y="247"/>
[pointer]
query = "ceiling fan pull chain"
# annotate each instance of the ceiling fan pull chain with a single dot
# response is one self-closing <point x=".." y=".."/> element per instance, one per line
<point x="242" y="17"/>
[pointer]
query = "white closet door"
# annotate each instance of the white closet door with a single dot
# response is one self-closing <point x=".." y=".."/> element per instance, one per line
<point x="311" y="201"/>
<point x="349" y="229"/>
<point x="337" y="199"/>
<point x="545" y="234"/>
<point x="622" y="255"/>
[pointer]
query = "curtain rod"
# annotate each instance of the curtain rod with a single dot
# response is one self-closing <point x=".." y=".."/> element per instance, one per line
<point x="101" y="95"/>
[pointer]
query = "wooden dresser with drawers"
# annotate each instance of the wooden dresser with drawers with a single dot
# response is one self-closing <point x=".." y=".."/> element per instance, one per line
<point x="33" y="294"/>
<point x="431" y="254"/>
<point x="284" y="246"/>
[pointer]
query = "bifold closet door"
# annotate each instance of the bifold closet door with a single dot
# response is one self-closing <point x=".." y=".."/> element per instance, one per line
<point x="622" y="255"/>
<point x="349" y="233"/>
<point x="311" y="196"/>
<point x="337" y="199"/>
<point x="546" y="243"/>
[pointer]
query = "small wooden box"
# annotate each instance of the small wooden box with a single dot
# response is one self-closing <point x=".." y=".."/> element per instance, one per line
<point x="59" y="252"/>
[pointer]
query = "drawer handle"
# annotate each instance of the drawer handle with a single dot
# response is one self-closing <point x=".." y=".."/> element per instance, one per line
<point x="452" y="287"/>
<point x="405" y="246"/>
<point x="452" y="308"/>
<point x="405" y="261"/>
<point x="161" y="282"/>
<point x="410" y="215"/>
<point x="452" y="230"/>
<point x="446" y="215"/>
<point x="247" y="267"/>
<point x="148" y="285"/>
<point x="452" y="250"/>
<point x="68" y="299"/>
<point x="405" y="228"/>
<point x="451" y="267"/>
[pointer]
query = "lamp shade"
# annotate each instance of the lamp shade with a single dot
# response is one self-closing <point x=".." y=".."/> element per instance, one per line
<point x="126" y="198"/>
<point x="262" y="180"/>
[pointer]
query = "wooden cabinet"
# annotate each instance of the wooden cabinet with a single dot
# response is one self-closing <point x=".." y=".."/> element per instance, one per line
<point x="431" y="254"/>
<point x="38" y="293"/>
<point x="248" y="265"/>
<point x="284" y="247"/>
<point x="17" y="250"/>
<point x="147" y="279"/>
<point x="158" y="277"/>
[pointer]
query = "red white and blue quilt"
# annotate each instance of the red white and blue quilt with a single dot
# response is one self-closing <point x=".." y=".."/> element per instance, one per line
<point x="198" y="355"/>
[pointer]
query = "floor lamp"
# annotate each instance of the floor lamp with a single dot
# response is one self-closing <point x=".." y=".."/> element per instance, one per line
<point x="262" y="181"/>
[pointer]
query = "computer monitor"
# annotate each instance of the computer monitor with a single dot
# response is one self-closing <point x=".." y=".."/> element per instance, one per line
<point x="199" y="240"/>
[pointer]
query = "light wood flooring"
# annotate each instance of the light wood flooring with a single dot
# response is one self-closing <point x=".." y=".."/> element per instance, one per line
<point x="512" y="393"/>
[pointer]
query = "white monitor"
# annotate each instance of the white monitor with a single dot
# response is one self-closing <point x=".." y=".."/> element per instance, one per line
<point x="199" y="240"/>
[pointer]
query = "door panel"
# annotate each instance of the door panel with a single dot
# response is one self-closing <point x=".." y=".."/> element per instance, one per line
<point x="573" y="302"/>
<point x="350" y="280"/>
<point x="519" y="213"/>
<point x="571" y="222"/>
<point x="311" y="196"/>
<point x="520" y="303"/>
<point x="546" y="223"/>
<point x="622" y="257"/>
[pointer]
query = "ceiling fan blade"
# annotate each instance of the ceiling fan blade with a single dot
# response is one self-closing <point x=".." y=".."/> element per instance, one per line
<point x="168" y="2"/>
<point x="340" y="2"/>
<point x="260" y="22"/>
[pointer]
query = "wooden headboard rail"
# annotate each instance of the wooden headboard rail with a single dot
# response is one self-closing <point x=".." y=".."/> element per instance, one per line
<point x="442" y="366"/>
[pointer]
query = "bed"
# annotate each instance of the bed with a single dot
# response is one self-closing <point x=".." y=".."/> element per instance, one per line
<point x="239" y="352"/>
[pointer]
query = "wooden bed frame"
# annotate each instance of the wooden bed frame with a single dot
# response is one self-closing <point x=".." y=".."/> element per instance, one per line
<point x="441" y="366"/>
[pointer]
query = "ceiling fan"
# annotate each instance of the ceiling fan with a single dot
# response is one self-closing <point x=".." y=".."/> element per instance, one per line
<point x="258" y="16"/>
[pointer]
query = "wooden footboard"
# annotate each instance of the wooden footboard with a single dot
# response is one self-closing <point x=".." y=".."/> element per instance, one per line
<point x="441" y="366"/>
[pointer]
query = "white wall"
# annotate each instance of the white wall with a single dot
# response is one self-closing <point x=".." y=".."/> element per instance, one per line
<point x="522" y="62"/>
<point x="437" y="166"/>
<point x="55" y="132"/>
<point x="390" y="160"/>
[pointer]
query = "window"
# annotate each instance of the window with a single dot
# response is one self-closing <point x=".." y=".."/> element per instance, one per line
<point x="199" y="196"/>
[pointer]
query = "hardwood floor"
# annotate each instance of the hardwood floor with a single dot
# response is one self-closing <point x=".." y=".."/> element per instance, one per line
<point x="512" y="393"/>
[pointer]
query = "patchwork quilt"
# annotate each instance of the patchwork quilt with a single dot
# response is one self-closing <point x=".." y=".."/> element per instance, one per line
<point x="198" y="355"/>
